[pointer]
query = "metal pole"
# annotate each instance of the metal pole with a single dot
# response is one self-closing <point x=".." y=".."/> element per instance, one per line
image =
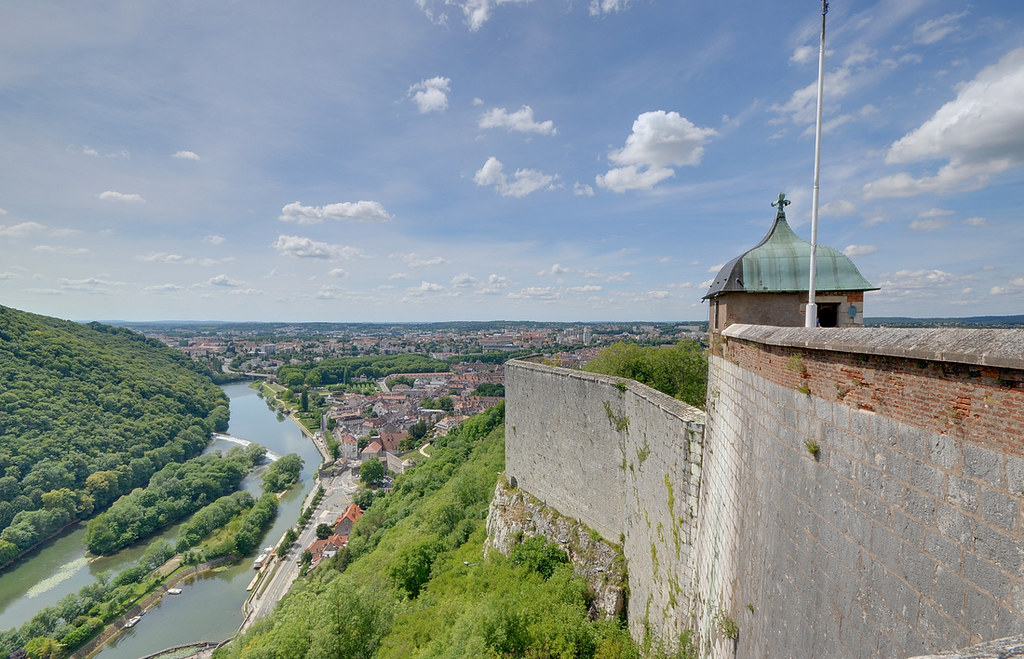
<point x="811" y="316"/>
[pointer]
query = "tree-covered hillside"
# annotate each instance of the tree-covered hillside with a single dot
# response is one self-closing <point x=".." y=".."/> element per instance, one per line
<point x="413" y="581"/>
<point x="87" y="413"/>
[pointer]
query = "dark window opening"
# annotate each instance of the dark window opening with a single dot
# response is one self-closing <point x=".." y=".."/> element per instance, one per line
<point x="828" y="315"/>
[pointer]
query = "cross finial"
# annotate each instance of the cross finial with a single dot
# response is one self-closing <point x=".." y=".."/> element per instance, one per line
<point x="781" y="203"/>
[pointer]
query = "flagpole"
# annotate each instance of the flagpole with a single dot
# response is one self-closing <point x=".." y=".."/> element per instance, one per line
<point x="811" y="316"/>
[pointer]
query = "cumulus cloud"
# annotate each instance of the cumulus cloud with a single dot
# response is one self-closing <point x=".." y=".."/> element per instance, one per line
<point x="582" y="190"/>
<point x="306" y="248"/>
<point x="521" y="121"/>
<point x="803" y="54"/>
<point x="163" y="288"/>
<point x="464" y="280"/>
<point x="22" y="230"/>
<point x="976" y="222"/>
<point x="160" y="257"/>
<point x="980" y="133"/>
<point x="185" y="155"/>
<point x="431" y="95"/>
<point x="937" y="29"/>
<point x="338" y="272"/>
<point x="59" y="249"/>
<point x="522" y="183"/>
<point x="89" y="285"/>
<point x="362" y="211"/>
<point x="223" y="280"/>
<point x="599" y="7"/>
<point x="213" y="239"/>
<point x="1013" y="287"/>
<point x="428" y="287"/>
<point x="475" y="12"/>
<point x="859" y="250"/>
<point x="556" y="269"/>
<point x="414" y="260"/>
<point x="838" y="208"/>
<point x="127" y="197"/>
<point x="802" y="104"/>
<point x="928" y="225"/>
<point x="659" y="141"/>
<point x="535" y="293"/>
<point x="921" y="284"/>
<point x="495" y="284"/>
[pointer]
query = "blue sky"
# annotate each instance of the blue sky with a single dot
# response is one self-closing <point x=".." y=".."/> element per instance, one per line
<point x="426" y="160"/>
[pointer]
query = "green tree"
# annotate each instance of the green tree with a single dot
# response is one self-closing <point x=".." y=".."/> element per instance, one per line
<point x="680" y="371"/>
<point x="371" y="473"/>
<point x="323" y="531"/>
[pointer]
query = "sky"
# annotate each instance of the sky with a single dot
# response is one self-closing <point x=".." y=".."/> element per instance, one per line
<point x="552" y="160"/>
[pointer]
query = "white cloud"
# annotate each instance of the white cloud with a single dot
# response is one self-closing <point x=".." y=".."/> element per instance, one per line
<point x="306" y="248"/>
<point x="213" y="239"/>
<point x="160" y="257"/>
<point x="399" y="275"/>
<point x="521" y="121"/>
<point x="918" y="284"/>
<point x="980" y="132"/>
<point x="9" y="275"/>
<point x="163" y="288"/>
<point x="363" y="211"/>
<point x="588" y="288"/>
<point x="804" y="54"/>
<point x="327" y="293"/>
<point x="476" y="12"/>
<point x="556" y="269"/>
<point x="89" y="285"/>
<point x="495" y="284"/>
<point x="838" y="208"/>
<point x="582" y="190"/>
<point x="659" y="141"/>
<point x="598" y="7"/>
<point x="524" y="181"/>
<point x="223" y="280"/>
<point x="928" y="225"/>
<point x="1012" y="287"/>
<point x="859" y="250"/>
<point x="935" y="212"/>
<point x="338" y="272"/>
<point x="431" y="95"/>
<point x="716" y="268"/>
<point x="464" y="280"/>
<point x="21" y="230"/>
<point x="129" y="197"/>
<point x="414" y="260"/>
<point x="59" y="249"/>
<point x="976" y="222"/>
<point x="428" y="287"/>
<point x="186" y="155"/>
<point x="535" y="293"/>
<point x="937" y="29"/>
<point x="87" y="150"/>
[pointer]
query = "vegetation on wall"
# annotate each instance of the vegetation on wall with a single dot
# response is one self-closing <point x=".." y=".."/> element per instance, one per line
<point x="681" y="371"/>
<point x="87" y="414"/>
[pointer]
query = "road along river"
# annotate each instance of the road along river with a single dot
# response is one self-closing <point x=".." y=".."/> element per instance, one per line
<point x="209" y="607"/>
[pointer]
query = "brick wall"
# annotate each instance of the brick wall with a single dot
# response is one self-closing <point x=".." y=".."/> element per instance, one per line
<point x="901" y="533"/>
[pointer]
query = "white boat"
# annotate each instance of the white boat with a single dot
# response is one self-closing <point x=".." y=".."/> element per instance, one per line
<point x="134" y="620"/>
<point x="174" y="591"/>
<point x="261" y="559"/>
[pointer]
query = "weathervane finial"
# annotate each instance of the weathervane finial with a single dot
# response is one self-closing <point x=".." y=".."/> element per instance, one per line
<point x="781" y="203"/>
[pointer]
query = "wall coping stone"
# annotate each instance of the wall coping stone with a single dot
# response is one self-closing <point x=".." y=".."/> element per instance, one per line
<point x="674" y="406"/>
<point x="996" y="348"/>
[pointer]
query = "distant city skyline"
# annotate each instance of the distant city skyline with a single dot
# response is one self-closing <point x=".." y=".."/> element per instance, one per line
<point x="433" y="160"/>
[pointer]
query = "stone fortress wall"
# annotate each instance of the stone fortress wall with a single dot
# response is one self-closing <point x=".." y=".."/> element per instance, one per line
<point x="856" y="492"/>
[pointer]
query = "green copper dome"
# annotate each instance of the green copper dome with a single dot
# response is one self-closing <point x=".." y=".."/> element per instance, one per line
<point x="781" y="263"/>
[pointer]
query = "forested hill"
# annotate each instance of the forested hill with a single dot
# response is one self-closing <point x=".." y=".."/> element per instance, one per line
<point x="87" y="413"/>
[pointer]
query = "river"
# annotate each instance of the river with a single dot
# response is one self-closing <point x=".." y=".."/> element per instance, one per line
<point x="209" y="608"/>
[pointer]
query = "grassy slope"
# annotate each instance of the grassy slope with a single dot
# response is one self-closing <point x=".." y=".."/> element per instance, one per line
<point x="408" y="591"/>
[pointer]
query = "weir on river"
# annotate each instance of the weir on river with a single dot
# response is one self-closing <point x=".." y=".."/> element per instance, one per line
<point x="209" y="606"/>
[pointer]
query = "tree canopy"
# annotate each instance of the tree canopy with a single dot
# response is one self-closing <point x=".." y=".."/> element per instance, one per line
<point x="681" y="371"/>
<point x="88" y="413"/>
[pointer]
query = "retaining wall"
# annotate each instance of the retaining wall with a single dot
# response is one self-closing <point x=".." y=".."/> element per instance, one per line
<point x="625" y="460"/>
<point x="858" y="492"/>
